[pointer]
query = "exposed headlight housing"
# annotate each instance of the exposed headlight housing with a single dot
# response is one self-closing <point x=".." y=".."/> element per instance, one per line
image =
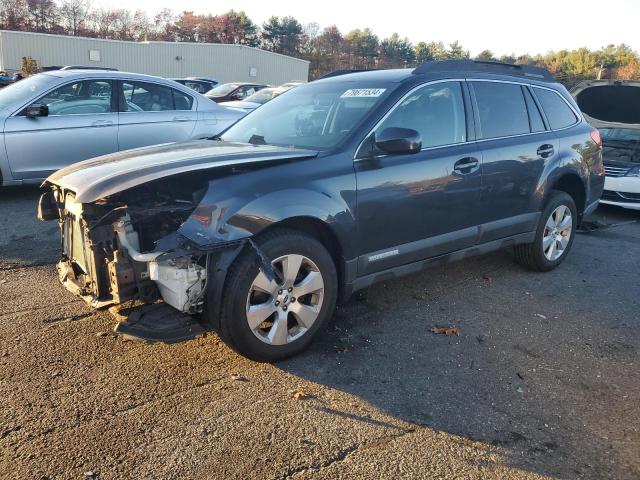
<point x="634" y="172"/>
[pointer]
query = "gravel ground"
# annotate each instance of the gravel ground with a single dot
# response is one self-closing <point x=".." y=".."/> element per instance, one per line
<point x="542" y="382"/>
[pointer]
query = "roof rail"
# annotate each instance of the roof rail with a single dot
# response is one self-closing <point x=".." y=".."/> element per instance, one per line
<point x="528" y="71"/>
<point x="337" y="73"/>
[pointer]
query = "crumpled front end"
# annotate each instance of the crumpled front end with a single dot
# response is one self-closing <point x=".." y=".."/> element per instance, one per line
<point x="114" y="251"/>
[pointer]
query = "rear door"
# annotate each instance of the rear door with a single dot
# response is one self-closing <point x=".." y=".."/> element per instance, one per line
<point x="81" y="124"/>
<point x="420" y="205"/>
<point x="152" y="113"/>
<point x="516" y="145"/>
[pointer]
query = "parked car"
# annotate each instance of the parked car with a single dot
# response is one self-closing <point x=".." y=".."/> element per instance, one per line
<point x="60" y="117"/>
<point x="212" y="81"/>
<point x="336" y="185"/>
<point x="613" y="106"/>
<point x="198" y="84"/>
<point x="82" y="67"/>
<point x="6" y="79"/>
<point x="233" y="91"/>
<point x="259" y="98"/>
<point x="291" y="84"/>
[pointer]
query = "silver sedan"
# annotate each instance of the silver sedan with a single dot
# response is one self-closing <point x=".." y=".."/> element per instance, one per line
<point x="56" y="118"/>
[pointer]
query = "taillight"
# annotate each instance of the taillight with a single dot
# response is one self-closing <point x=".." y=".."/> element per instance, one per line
<point x="595" y="136"/>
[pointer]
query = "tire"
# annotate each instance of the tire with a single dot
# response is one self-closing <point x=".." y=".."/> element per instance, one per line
<point x="536" y="256"/>
<point x="283" y="332"/>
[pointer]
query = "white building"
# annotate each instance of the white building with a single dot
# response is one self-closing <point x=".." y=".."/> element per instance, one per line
<point x="226" y="63"/>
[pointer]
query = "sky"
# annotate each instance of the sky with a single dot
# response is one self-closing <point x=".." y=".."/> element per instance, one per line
<point x="502" y="26"/>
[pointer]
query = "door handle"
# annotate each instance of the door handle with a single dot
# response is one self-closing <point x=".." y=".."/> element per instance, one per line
<point x="466" y="165"/>
<point x="180" y="119"/>
<point x="545" y="151"/>
<point x="102" y="123"/>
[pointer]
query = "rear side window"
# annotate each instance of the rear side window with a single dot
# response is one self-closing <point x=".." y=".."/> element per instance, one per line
<point x="501" y="109"/>
<point x="535" y="119"/>
<point x="555" y="108"/>
<point x="151" y="97"/>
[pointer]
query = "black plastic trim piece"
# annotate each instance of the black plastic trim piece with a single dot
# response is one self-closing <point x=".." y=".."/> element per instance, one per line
<point x="524" y="71"/>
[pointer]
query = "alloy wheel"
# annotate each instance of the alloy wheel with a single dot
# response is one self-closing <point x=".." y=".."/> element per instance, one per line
<point x="557" y="233"/>
<point x="281" y="310"/>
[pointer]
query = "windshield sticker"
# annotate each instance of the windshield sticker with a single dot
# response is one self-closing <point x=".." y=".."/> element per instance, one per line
<point x="363" y="92"/>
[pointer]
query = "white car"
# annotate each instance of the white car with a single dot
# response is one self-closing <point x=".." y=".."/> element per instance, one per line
<point x="57" y="118"/>
<point x="613" y="107"/>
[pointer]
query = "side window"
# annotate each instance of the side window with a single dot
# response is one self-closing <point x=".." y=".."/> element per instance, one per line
<point x="146" y="97"/>
<point x="501" y="109"/>
<point x="535" y="119"/>
<point x="436" y="111"/>
<point x="182" y="101"/>
<point x="558" y="112"/>
<point x="78" y="98"/>
<point x="243" y="92"/>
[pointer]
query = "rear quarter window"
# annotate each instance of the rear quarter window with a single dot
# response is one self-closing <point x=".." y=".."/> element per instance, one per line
<point x="558" y="113"/>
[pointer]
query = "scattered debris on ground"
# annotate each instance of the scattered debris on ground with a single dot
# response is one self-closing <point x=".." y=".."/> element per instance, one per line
<point x="592" y="226"/>
<point x="446" y="330"/>
<point x="300" y="394"/>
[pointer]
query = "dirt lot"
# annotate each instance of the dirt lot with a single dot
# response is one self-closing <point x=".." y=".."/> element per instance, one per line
<point x="543" y="381"/>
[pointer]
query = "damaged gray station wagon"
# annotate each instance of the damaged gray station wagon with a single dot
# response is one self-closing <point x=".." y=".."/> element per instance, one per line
<point x="332" y="186"/>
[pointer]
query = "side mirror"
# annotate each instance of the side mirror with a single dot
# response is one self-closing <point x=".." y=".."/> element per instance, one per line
<point x="236" y="96"/>
<point x="37" y="110"/>
<point x="398" y="140"/>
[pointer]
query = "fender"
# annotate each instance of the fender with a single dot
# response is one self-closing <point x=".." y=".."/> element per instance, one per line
<point x="567" y="164"/>
<point x="232" y="213"/>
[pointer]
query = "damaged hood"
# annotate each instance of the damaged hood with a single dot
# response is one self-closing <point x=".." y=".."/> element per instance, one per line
<point x="103" y="176"/>
<point x="609" y="103"/>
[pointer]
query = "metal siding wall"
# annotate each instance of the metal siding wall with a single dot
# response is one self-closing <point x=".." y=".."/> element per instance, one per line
<point x="225" y="62"/>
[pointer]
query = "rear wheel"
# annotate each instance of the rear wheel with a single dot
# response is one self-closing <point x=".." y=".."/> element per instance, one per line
<point x="554" y="235"/>
<point x="269" y="319"/>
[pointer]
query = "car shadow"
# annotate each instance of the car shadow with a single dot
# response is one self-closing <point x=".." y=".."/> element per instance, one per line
<point x="540" y="364"/>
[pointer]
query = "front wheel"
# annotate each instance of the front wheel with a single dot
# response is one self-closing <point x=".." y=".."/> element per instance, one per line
<point x="270" y="318"/>
<point x="554" y="235"/>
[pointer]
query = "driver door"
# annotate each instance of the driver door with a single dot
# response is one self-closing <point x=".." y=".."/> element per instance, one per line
<point x="81" y="124"/>
<point x="420" y="205"/>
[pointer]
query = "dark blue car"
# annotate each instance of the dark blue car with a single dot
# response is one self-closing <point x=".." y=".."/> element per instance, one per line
<point x="331" y="187"/>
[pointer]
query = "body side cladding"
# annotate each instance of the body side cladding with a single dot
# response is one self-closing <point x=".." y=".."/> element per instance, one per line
<point x="415" y="267"/>
<point x="218" y="267"/>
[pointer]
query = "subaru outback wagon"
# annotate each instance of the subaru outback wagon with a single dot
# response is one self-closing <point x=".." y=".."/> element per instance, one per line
<point x="328" y="189"/>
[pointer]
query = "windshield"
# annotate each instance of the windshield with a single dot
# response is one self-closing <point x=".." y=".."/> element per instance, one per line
<point x="20" y="92"/>
<point x="317" y="116"/>
<point x="263" y="96"/>
<point x="223" y="89"/>
<point x="621" y="144"/>
<point x="621" y="134"/>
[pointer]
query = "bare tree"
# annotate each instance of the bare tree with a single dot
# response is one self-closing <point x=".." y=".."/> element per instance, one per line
<point x="14" y="15"/>
<point x="42" y="15"/>
<point x="73" y="14"/>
